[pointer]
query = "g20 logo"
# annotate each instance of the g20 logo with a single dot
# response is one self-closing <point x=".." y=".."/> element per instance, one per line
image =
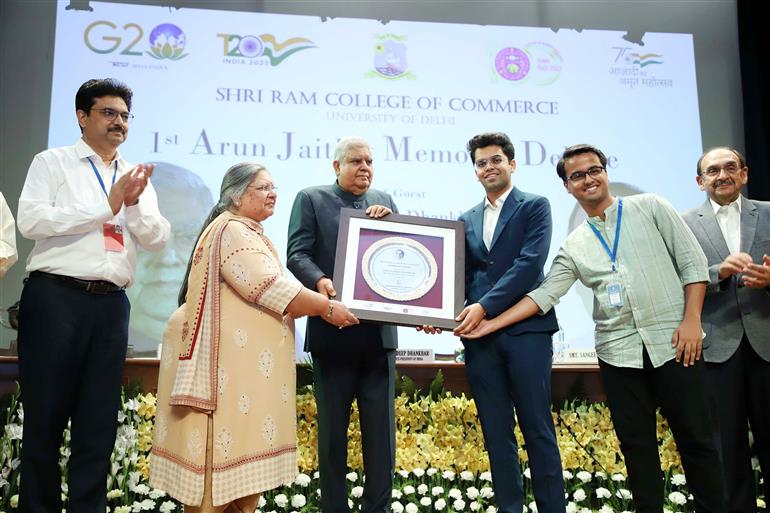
<point x="167" y="41"/>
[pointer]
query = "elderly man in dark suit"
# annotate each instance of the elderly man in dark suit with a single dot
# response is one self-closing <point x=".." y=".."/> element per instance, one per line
<point x="357" y="362"/>
<point x="734" y="233"/>
<point x="507" y="237"/>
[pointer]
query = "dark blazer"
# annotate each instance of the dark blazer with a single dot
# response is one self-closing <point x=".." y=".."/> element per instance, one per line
<point x="498" y="278"/>
<point x="730" y="309"/>
<point x="311" y="248"/>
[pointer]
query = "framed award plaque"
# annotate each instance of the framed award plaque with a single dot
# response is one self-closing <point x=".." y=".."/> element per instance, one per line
<point x="401" y="269"/>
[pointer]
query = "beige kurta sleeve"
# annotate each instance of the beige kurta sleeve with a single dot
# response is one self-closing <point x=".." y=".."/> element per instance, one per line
<point x="250" y="268"/>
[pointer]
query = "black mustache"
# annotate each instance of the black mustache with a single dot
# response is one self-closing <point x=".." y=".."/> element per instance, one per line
<point x="117" y="129"/>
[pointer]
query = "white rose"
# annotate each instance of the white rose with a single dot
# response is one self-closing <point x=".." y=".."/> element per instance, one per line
<point x="584" y="476"/>
<point x="466" y="475"/>
<point x="439" y="505"/>
<point x="571" y="507"/>
<point x="432" y="472"/>
<point x="603" y="493"/>
<point x="281" y="500"/>
<point x="579" y="495"/>
<point x="425" y="501"/>
<point x="566" y="474"/>
<point x="677" y="498"/>
<point x="302" y="480"/>
<point x="397" y="507"/>
<point x="357" y="491"/>
<point x="418" y="472"/>
<point x="618" y="478"/>
<point x="472" y="492"/>
<point x="533" y="506"/>
<point x="411" y="508"/>
<point x="422" y="489"/>
<point x="141" y="489"/>
<point x="167" y="507"/>
<point x="475" y="506"/>
<point x="409" y="489"/>
<point x="458" y="505"/>
<point x="403" y="473"/>
<point x="678" y="479"/>
<point x="606" y="509"/>
<point x="145" y="505"/>
<point x="527" y="473"/>
<point x="491" y="509"/>
<point x="624" y="494"/>
<point x="396" y="494"/>
<point x="436" y="490"/>
<point x="352" y="477"/>
<point x="298" y="501"/>
<point x="448" y="475"/>
<point x="486" y="476"/>
<point x="454" y="493"/>
<point x="486" y="492"/>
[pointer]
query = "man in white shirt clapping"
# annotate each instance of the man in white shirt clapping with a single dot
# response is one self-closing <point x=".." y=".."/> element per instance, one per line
<point x="86" y="208"/>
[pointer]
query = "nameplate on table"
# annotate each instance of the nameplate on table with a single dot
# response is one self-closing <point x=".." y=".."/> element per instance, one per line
<point x="414" y="355"/>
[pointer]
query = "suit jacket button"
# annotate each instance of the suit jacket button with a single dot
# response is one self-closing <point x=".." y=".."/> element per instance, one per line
<point x="491" y="262"/>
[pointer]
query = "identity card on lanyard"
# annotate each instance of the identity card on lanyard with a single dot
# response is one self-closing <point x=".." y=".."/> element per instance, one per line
<point x="112" y="232"/>
<point x="614" y="289"/>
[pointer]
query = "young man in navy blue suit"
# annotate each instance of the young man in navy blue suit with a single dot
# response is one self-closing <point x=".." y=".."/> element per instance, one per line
<point x="507" y="237"/>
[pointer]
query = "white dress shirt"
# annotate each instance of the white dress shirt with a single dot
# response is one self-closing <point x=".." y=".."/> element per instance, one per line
<point x="7" y="237"/>
<point x="729" y="219"/>
<point x="62" y="208"/>
<point x="491" y="215"/>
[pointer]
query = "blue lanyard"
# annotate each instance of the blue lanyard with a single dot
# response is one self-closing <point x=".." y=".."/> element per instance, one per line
<point x="98" y="176"/>
<point x="614" y="253"/>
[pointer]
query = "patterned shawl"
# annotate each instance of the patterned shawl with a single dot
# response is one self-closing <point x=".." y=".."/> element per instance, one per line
<point x="196" y="377"/>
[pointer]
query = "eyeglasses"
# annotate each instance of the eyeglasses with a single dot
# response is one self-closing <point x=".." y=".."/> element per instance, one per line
<point x="110" y="114"/>
<point x="731" y="168"/>
<point x="579" y="176"/>
<point x="495" y="160"/>
<point x="263" y="188"/>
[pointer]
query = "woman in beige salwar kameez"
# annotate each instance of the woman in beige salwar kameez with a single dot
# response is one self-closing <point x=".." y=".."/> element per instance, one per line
<point x="225" y="429"/>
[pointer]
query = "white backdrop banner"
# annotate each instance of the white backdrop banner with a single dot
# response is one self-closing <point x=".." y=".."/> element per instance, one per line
<point x="213" y="88"/>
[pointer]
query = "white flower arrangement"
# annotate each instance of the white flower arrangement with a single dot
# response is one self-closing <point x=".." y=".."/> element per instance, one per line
<point x="417" y="490"/>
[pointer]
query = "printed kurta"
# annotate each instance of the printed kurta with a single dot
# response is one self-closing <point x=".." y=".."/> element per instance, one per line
<point x="228" y="352"/>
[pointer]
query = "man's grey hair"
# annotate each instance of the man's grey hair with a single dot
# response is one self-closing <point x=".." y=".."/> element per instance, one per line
<point x="345" y="144"/>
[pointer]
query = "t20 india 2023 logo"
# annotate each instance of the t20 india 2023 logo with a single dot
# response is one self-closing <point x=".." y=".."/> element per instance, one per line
<point x="166" y="41"/>
<point x="265" y="45"/>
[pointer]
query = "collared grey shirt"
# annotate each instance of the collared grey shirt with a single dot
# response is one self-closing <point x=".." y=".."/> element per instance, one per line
<point x="657" y="256"/>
